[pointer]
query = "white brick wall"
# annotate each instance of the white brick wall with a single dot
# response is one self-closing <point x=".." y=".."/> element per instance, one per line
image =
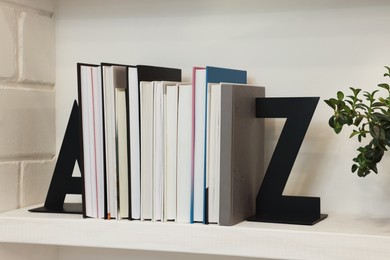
<point x="35" y="180"/>
<point x="27" y="102"/>
<point x="9" y="185"/>
<point x="8" y="42"/>
<point x="26" y="124"/>
<point x="37" y="51"/>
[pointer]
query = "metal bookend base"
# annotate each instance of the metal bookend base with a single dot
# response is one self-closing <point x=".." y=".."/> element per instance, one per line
<point x="286" y="220"/>
<point x="68" y="208"/>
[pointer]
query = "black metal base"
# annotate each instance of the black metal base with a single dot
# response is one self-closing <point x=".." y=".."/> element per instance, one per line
<point x="68" y="208"/>
<point x="288" y="220"/>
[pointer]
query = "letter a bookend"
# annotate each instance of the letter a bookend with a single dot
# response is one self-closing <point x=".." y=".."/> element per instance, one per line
<point x="271" y="205"/>
<point x="62" y="182"/>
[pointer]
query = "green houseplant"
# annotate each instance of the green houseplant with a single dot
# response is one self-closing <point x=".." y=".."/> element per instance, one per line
<point x="370" y="117"/>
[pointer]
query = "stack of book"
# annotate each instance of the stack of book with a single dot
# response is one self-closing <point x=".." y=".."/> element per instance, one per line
<point x="156" y="148"/>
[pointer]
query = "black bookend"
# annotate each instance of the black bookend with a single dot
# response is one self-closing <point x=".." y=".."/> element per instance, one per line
<point x="62" y="182"/>
<point x="271" y="205"/>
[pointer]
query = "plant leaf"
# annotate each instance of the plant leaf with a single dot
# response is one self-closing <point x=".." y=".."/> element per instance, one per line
<point x="362" y="106"/>
<point x="375" y="131"/>
<point x="388" y="72"/>
<point x="384" y="85"/>
<point x="349" y="120"/>
<point x="382" y="136"/>
<point x="358" y="120"/>
<point x="378" y="104"/>
<point x="355" y="91"/>
<point x="332" y="121"/>
<point x="362" y="173"/>
<point x="338" y="127"/>
<point x="354" y="132"/>
<point x="331" y="103"/>
<point x="340" y="95"/>
<point x="340" y="104"/>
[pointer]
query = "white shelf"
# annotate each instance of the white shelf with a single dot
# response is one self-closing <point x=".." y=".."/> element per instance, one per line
<point x="334" y="238"/>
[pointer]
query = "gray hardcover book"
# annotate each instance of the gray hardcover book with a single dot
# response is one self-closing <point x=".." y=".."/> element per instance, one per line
<point x="242" y="152"/>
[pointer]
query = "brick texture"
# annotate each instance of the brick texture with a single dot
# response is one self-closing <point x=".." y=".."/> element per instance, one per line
<point x="8" y="42"/>
<point x="27" y="111"/>
<point x="37" y="48"/>
<point x="9" y="186"/>
<point x="27" y="125"/>
<point x="35" y="181"/>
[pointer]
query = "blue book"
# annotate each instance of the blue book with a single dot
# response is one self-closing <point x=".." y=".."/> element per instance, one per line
<point x="202" y="77"/>
<point x="217" y="75"/>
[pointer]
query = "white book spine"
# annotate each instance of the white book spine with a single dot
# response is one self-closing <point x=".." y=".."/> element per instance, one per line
<point x="184" y="155"/>
<point x="123" y="172"/>
<point x="99" y="142"/>
<point x="147" y="159"/>
<point x="86" y="112"/>
<point x="92" y="141"/>
<point x="199" y="149"/>
<point x="213" y="154"/>
<point x="158" y="143"/>
<point x="135" y="160"/>
<point x="171" y="107"/>
<point x="109" y="115"/>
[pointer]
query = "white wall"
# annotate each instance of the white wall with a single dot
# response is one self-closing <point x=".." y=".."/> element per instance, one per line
<point x="294" y="48"/>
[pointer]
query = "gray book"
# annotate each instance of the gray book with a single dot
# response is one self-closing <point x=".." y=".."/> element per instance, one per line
<point x="242" y="152"/>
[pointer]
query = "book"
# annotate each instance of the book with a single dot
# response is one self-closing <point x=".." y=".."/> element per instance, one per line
<point x="120" y="143"/>
<point x="90" y="101"/>
<point x="134" y="142"/>
<point x="110" y="150"/>
<point x="135" y="76"/>
<point x="204" y="76"/>
<point x="236" y="155"/>
<point x="184" y="186"/>
<point x="155" y="73"/>
<point x="171" y="98"/>
<point x="158" y="149"/>
<point x="213" y="151"/>
<point x="147" y="158"/>
<point x="198" y="123"/>
<point x="115" y="110"/>
<point x="120" y="86"/>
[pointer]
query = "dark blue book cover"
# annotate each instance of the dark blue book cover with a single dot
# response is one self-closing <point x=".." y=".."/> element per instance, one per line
<point x="217" y="75"/>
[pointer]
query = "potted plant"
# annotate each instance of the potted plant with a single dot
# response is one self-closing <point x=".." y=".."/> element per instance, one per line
<point x="370" y="117"/>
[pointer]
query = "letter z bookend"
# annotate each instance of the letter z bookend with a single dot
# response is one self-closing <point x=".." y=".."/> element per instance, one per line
<point x="62" y="182"/>
<point x="271" y="205"/>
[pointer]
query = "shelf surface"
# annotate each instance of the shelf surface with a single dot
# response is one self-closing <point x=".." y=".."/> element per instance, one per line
<point x="336" y="237"/>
